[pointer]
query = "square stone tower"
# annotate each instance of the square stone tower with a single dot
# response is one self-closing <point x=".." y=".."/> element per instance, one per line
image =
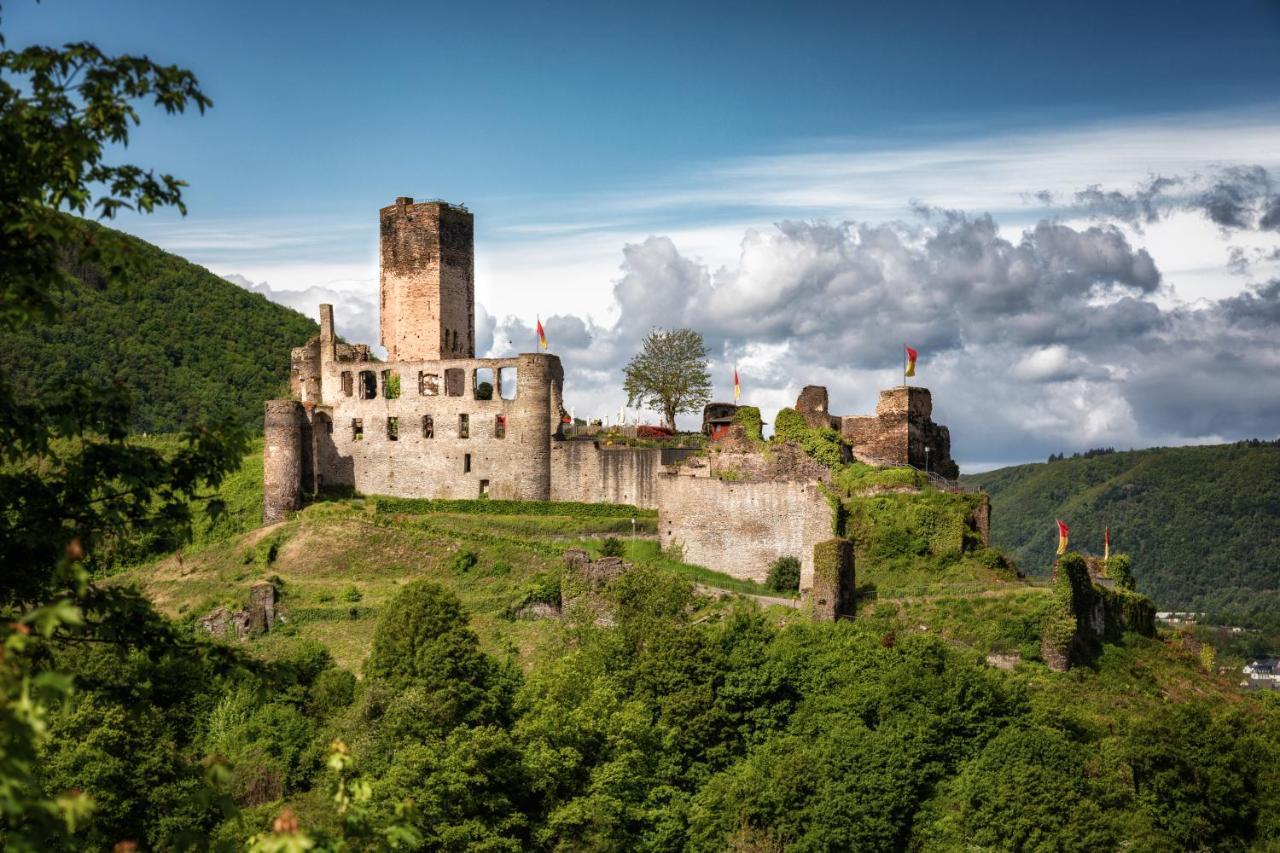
<point x="428" y="281"/>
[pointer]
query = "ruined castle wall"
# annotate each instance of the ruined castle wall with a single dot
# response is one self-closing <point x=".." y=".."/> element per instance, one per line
<point x="507" y="458"/>
<point x="740" y="528"/>
<point x="427" y="281"/>
<point x="282" y="457"/>
<point x="900" y="433"/>
<point x="584" y="471"/>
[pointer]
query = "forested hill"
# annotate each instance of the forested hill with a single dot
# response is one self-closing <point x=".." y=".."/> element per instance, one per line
<point x="1202" y="523"/>
<point x="186" y="342"/>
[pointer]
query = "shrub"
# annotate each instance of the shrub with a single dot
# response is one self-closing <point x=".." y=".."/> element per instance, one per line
<point x="422" y="640"/>
<point x="612" y="547"/>
<point x="784" y="575"/>
<point x="351" y="593"/>
<point x="463" y="562"/>
<point x="333" y="689"/>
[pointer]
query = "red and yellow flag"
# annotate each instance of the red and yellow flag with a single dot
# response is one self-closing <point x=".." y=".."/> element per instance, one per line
<point x="1106" y="544"/>
<point x="1063" y="531"/>
<point x="542" y="335"/>
<point x="737" y="386"/>
<point x="911" y="361"/>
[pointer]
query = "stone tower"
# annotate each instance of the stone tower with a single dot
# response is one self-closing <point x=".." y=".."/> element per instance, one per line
<point x="427" y="280"/>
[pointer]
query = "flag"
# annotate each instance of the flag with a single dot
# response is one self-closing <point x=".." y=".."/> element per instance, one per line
<point x="911" y="362"/>
<point x="737" y="386"/>
<point x="1063" y="530"/>
<point x="1106" y="544"/>
<point x="542" y="336"/>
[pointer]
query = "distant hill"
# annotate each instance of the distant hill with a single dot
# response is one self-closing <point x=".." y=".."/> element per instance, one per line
<point x="1202" y="523"/>
<point x="186" y="342"/>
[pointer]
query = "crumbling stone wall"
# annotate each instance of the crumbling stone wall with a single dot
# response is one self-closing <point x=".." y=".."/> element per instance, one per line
<point x="427" y="281"/>
<point x="501" y="449"/>
<point x="900" y="433"/>
<point x="813" y="405"/>
<point x="258" y="618"/>
<point x="585" y="472"/>
<point x="739" y="528"/>
<point x="1086" y="613"/>
<point x="831" y="592"/>
<point x="282" y="457"/>
<point x="732" y="462"/>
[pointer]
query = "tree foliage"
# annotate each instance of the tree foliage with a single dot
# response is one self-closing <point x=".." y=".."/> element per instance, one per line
<point x="69" y="480"/>
<point x="669" y="374"/>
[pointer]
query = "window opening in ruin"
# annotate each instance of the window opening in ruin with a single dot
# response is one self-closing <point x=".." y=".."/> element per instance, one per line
<point x="464" y="426"/>
<point x="357" y="429"/>
<point x="455" y="379"/>
<point x="428" y="383"/>
<point x="484" y="379"/>
<point x="393" y="429"/>
<point x="391" y="384"/>
<point x="347" y="384"/>
<point x="328" y="425"/>
<point x="507" y="383"/>
<point x="484" y="488"/>
<point x="466" y="463"/>
<point x="500" y="426"/>
<point x="368" y="385"/>
<point x="428" y="427"/>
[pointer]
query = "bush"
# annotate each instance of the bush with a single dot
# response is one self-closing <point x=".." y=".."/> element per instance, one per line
<point x="612" y="547"/>
<point x="351" y="593"/>
<point x="333" y="689"/>
<point x="784" y="575"/>
<point x="422" y="640"/>
<point x="463" y="562"/>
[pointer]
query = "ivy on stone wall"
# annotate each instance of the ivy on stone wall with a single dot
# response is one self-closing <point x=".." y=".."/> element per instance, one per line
<point x="748" y="417"/>
<point x="823" y="444"/>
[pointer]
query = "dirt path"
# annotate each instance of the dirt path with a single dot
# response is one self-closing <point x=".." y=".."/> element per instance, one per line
<point x="717" y="592"/>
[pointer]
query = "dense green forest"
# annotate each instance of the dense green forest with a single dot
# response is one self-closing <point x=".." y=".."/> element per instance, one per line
<point x="1202" y="523"/>
<point x="187" y="344"/>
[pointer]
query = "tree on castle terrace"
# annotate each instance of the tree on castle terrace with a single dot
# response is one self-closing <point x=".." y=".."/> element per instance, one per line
<point x="669" y="374"/>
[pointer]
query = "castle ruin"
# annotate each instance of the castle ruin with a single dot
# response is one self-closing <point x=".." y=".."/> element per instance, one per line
<point x="434" y="421"/>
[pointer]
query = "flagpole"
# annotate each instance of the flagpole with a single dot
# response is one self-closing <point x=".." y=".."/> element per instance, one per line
<point x="904" y="365"/>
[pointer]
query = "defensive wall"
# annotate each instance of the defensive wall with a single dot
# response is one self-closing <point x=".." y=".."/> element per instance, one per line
<point x="739" y="528"/>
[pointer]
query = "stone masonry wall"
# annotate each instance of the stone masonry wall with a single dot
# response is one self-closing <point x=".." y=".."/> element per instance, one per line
<point x="900" y="432"/>
<point x="427" y="281"/>
<point x="505" y="453"/>
<point x="584" y="471"/>
<point x="740" y="528"/>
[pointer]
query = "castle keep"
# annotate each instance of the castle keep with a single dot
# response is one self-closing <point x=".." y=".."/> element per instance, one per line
<point x="434" y="421"/>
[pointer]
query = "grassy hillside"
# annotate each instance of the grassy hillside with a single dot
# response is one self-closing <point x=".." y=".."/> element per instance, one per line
<point x="1202" y="523"/>
<point x="185" y="342"/>
<point x="697" y="721"/>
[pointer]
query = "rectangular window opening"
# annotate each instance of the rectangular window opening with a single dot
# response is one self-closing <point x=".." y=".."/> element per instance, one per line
<point x="428" y="427"/>
<point x="507" y="382"/>
<point x="368" y="385"/>
<point x="500" y="426"/>
<point x="348" y="385"/>
<point x="455" y="379"/>
<point x="428" y="383"/>
<point x="393" y="429"/>
<point x="466" y="463"/>
<point x="357" y="429"/>
<point x="484" y="380"/>
<point x="464" y="426"/>
<point x="391" y="384"/>
<point x="484" y="488"/>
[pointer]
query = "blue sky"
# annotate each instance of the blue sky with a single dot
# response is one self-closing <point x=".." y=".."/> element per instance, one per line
<point x="584" y="135"/>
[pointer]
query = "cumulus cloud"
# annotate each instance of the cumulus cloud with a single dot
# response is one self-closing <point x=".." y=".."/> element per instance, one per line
<point x="1049" y="341"/>
<point x="355" y="313"/>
